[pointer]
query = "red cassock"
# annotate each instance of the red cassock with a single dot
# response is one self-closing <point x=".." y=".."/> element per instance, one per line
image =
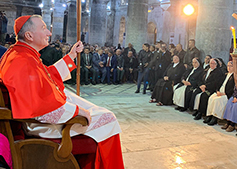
<point x="36" y="90"/>
<point x="29" y="85"/>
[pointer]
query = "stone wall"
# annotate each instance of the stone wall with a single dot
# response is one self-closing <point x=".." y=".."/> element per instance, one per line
<point x="58" y="18"/>
<point x="10" y="11"/>
<point x="13" y="11"/>
<point x="121" y="12"/>
<point x="213" y="34"/>
<point x="110" y="23"/>
<point x="72" y="23"/>
<point x="136" y="32"/>
<point x="98" y="22"/>
<point x="156" y="17"/>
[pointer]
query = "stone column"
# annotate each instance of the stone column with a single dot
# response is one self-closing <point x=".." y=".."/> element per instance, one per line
<point x="85" y="20"/>
<point x="98" y="22"/>
<point x="58" y="15"/>
<point x="46" y="13"/>
<point x="213" y="34"/>
<point x="136" y="32"/>
<point x="168" y="20"/>
<point x="72" y="23"/>
<point x="110" y="24"/>
<point x="18" y="11"/>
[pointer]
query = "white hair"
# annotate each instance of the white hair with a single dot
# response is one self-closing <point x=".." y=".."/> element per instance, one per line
<point x="29" y="25"/>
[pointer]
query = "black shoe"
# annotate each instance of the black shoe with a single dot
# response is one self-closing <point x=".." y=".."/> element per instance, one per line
<point x="103" y="82"/>
<point x="109" y="83"/>
<point x="213" y="121"/>
<point x="198" y="116"/>
<point x="82" y="83"/>
<point x="194" y="114"/>
<point x="87" y="83"/>
<point x="178" y="108"/>
<point x="115" y="83"/>
<point x="208" y="119"/>
<point x="144" y="91"/>
<point x="137" y="91"/>
<point x="183" y="109"/>
<point x="94" y="83"/>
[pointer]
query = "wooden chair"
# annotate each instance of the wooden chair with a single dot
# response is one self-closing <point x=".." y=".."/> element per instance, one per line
<point x="38" y="153"/>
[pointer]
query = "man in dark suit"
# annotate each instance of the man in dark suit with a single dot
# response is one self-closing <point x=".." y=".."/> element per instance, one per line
<point x="99" y="62"/>
<point x="92" y="51"/>
<point x="158" y="46"/>
<point x="111" y="67"/>
<point x="151" y="66"/>
<point x="120" y="65"/>
<point x="154" y="63"/>
<point x="129" y="48"/>
<point x="86" y="63"/>
<point x="130" y="66"/>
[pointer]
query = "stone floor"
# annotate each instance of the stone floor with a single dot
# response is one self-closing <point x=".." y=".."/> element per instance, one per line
<point x="160" y="137"/>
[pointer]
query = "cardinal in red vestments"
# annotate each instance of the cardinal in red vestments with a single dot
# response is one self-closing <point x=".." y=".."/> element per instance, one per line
<point x="37" y="91"/>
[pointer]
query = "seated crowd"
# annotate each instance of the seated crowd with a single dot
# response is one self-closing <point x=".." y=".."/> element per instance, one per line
<point x="173" y="76"/>
<point x="107" y="65"/>
<point x="206" y="89"/>
<point x="208" y="92"/>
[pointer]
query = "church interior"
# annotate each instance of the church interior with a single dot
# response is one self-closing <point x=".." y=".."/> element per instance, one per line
<point x="153" y="136"/>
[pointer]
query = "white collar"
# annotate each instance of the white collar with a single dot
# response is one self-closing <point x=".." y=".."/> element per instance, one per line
<point x="175" y="64"/>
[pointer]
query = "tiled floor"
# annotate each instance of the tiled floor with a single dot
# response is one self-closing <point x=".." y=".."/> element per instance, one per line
<point x="160" y="137"/>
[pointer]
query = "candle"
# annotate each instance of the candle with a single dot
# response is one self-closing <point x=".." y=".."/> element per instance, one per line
<point x="234" y="36"/>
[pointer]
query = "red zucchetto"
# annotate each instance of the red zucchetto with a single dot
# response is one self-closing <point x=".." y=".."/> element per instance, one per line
<point x="19" y="22"/>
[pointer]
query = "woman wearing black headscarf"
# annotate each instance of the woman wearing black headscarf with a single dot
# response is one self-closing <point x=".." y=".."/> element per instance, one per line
<point x="211" y="82"/>
<point x="163" y="90"/>
<point x="189" y="82"/>
<point x="218" y="100"/>
<point x="222" y="65"/>
<point x="206" y="62"/>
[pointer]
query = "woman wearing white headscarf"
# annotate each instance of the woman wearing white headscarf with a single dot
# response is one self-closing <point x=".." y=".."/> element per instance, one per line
<point x="189" y="81"/>
<point x="218" y="100"/>
<point x="210" y="83"/>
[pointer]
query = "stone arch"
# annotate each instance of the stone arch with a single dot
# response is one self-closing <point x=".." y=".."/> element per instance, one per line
<point x="151" y="33"/>
<point x="122" y="30"/>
